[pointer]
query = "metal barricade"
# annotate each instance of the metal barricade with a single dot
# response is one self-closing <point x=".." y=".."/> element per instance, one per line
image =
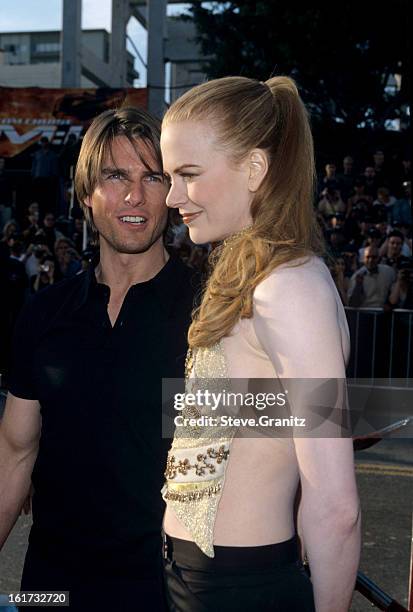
<point x="381" y="343"/>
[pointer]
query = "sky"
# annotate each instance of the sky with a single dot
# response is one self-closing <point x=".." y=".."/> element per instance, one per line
<point x="21" y="15"/>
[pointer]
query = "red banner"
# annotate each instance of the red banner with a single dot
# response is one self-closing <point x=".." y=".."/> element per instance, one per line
<point x="28" y="113"/>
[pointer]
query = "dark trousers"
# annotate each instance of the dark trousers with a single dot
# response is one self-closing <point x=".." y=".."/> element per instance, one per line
<point x="90" y="586"/>
<point x="239" y="579"/>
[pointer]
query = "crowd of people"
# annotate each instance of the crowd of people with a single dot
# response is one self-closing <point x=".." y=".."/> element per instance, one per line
<point x="364" y="212"/>
<point x="366" y="218"/>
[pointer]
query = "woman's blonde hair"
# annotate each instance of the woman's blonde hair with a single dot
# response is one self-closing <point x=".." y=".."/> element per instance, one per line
<point x="245" y="115"/>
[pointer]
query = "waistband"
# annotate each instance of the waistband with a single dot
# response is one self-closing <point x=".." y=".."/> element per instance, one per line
<point x="188" y="554"/>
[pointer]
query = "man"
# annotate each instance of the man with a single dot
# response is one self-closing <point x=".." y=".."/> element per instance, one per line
<point x="6" y="195"/>
<point x="370" y="181"/>
<point x="392" y="249"/>
<point x="369" y="287"/>
<point x="44" y="175"/>
<point x="89" y="357"/>
<point x="347" y="177"/>
<point x="50" y="232"/>
<point x="329" y="177"/>
<point x="331" y="202"/>
<point x="401" y="211"/>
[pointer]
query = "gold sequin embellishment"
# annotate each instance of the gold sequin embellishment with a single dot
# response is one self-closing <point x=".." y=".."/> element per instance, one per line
<point x="195" y="470"/>
<point x="183" y="466"/>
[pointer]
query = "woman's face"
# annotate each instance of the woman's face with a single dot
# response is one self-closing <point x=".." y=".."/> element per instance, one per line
<point x="340" y="265"/>
<point x="211" y="193"/>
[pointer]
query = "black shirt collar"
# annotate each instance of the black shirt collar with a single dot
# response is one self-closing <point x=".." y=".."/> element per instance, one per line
<point x="165" y="284"/>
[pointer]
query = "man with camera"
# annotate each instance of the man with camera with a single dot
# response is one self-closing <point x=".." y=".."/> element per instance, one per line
<point x="393" y="255"/>
<point x="401" y="295"/>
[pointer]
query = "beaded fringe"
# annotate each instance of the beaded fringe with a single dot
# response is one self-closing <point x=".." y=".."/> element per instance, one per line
<point x="193" y="495"/>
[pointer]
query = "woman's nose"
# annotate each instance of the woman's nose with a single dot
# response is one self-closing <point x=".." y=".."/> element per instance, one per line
<point x="177" y="196"/>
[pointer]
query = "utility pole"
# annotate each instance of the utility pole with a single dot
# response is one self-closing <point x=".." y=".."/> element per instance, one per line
<point x="156" y="65"/>
<point x="71" y="43"/>
<point x="118" y="62"/>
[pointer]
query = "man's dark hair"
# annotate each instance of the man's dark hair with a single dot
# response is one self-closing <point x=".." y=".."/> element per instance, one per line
<point x="396" y="234"/>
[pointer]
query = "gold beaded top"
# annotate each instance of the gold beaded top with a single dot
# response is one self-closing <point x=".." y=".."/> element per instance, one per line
<point x="197" y="460"/>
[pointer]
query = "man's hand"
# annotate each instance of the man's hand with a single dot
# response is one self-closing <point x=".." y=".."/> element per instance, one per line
<point x="360" y="279"/>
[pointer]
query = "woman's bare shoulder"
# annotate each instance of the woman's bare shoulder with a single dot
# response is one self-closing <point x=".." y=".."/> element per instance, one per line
<point x="302" y="276"/>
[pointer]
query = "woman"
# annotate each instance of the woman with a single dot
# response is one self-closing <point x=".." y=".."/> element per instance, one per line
<point x="338" y="273"/>
<point x="239" y="156"/>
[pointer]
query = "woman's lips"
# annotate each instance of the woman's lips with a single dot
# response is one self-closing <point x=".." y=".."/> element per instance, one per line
<point x="188" y="217"/>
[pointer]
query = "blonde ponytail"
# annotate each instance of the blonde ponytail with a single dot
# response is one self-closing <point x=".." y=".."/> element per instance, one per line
<point x="247" y="114"/>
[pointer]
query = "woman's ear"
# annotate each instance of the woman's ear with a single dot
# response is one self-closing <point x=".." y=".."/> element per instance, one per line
<point x="88" y="201"/>
<point x="258" y="168"/>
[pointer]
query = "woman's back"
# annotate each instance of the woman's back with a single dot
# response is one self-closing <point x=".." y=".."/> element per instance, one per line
<point x="298" y="330"/>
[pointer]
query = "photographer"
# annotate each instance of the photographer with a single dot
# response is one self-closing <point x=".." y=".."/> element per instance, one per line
<point x="46" y="275"/>
<point x="35" y="253"/>
<point x="331" y="202"/>
<point x="401" y="295"/>
<point x="392" y="251"/>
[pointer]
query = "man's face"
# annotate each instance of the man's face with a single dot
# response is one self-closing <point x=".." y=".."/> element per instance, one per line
<point x="348" y="164"/>
<point x="381" y="226"/>
<point x="61" y="249"/>
<point x="394" y="246"/>
<point x="369" y="172"/>
<point x="49" y="220"/>
<point x="378" y="158"/>
<point x="371" y="258"/>
<point x="128" y="203"/>
<point x="383" y="196"/>
<point x="330" y="169"/>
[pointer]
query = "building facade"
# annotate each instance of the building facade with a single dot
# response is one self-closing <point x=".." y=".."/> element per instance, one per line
<point x="32" y="59"/>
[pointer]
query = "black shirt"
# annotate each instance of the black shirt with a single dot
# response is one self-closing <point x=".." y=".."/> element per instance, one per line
<point x="101" y="459"/>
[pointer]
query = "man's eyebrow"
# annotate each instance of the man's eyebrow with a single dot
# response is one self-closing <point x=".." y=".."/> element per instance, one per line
<point x="113" y="170"/>
<point x="153" y="172"/>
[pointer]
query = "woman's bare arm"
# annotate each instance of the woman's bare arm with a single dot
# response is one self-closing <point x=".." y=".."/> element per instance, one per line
<point x="297" y="321"/>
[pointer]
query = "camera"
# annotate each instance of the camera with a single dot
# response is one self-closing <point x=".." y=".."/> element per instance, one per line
<point x="406" y="271"/>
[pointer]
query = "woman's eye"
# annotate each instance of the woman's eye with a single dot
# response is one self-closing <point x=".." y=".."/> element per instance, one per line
<point x="187" y="177"/>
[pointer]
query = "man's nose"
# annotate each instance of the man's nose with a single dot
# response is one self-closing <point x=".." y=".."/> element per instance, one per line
<point x="135" y="194"/>
<point x="177" y="195"/>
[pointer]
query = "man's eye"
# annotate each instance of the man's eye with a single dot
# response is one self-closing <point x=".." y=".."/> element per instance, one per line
<point x="115" y="176"/>
<point x="154" y="178"/>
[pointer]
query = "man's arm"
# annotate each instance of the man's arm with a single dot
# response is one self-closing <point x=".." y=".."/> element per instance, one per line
<point x="356" y="290"/>
<point x="19" y="442"/>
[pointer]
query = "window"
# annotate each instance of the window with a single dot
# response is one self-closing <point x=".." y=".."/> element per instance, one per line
<point x="52" y="47"/>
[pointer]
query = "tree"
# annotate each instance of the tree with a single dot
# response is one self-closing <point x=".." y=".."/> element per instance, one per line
<point x="341" y="55"/>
